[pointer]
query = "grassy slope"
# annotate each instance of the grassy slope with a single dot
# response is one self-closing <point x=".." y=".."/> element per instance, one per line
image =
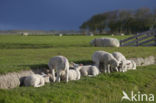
<point x="19" y="52"/>
<point x="101" y="89"/>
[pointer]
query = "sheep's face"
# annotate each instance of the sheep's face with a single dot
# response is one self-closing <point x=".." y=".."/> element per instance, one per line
<point x="122" y="66"/>
<point x="74" y="65"/>
<point x="114" y="64"/>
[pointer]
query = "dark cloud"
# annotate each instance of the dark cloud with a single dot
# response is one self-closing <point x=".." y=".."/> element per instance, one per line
<point x="58" y="14"/>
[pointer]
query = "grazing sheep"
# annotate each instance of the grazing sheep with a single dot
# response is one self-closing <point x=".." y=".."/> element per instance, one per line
<point x="87" y="70"/>
<point x="122" y="59"/>
<point x="73" y="74"/>
<point x="131" y="65"/>
<point x="36" y="80"/>
<point x="107" y="59"/>
<point x="105" y="42"/>
<point x="97" y="57"/>
<point x="59" y="63"/>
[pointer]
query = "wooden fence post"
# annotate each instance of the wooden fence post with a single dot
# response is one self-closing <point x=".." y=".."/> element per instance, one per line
<point x="155" y="39"/>
<point x="137" y="41"/>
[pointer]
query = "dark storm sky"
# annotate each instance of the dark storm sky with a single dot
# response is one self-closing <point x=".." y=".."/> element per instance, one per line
<point x="58" y="14"/>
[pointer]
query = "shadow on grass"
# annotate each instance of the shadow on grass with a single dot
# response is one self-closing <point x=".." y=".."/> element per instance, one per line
<point x="38" y="68"/>
<point x="35" y="46"/>
<point x="23" y="46"/>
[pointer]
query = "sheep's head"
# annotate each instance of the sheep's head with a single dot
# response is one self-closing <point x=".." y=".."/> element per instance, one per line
<point x="114" y="64"/>
<point x="74" y="65"/>
<point x="46" y="77"/>
<point x="122" y="66"/>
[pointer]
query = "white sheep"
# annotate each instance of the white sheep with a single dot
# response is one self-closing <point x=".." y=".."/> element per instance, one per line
<point x="25" y="34"/>
<point x="73" y="74"/>
<point x="131" y="65"/>
<point x="107" y="59"/>
<point x="59" y="63"/>
<point x="36" y="80"/>
<point x="105" y="42"/>
<point x="122" y="59"/>
<point x="87" y="70"/>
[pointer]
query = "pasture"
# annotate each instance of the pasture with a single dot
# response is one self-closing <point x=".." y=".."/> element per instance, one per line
<point x="20" y="53"/>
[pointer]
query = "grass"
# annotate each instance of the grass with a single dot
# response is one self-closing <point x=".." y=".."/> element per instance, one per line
<point x="20" y="53"/>
<point x="22" y="42"/>
<point x="104" y="88"/>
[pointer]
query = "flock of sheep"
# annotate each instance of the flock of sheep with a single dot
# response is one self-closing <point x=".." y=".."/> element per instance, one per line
<point x="104" y="62"/>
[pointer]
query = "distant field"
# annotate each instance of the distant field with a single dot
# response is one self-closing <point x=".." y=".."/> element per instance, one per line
<point x="19" y="52"/>
<point x="22" y="42"/>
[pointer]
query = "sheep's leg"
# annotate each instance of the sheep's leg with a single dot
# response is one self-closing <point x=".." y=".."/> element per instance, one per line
<point x="105" y="68"/>
<point x="67" y="75"/>
<point x="58" y="76"/>
<point x="108" y="69"/>
<point x="53" y="75"/>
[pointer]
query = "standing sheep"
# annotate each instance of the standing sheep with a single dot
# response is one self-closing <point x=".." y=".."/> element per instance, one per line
<point x="59" y="63"/>
<point x="106" y="59"/>
<point x="36" y="80"/>
<point x="122" y="59"/>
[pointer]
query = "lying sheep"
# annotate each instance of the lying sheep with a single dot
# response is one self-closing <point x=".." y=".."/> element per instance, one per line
<point x="131" y="65"/>
<point x="105" y="42"/>
<point x="107" y="59"/>
<point x="36" y="80"/>
<point x="59" y="63"/>
<point x="73" y="74"/>
<point x="122" y="59"/>
<point x="87" y="70"/>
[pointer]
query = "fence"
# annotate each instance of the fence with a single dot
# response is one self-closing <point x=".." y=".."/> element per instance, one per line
<point x="147" y="38"/>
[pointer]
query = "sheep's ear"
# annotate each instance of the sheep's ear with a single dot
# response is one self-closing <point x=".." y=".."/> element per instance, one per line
<point x="43" y="74"/>
<point x="128" y="63"/>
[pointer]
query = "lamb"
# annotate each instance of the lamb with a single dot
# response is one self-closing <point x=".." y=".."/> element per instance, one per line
<point x="105" y="42"/>
<point x="36" y="80"/>
<point x="59" y="63"/>
<point x="87" y="70"/>
<point x="97" y="57"/>
<point x="105" y="58"/>
<point x="131" y="65"/>
<point x="122" y="59"/>
<point x="73" y="74"/>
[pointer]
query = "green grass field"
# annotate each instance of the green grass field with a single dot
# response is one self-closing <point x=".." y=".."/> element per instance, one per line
<point x="20" y="53"/>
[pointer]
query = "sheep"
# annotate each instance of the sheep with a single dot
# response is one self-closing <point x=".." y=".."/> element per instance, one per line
<point x="105" y="42"/>
<point x="107" y="59"/>
<point x="36" y="80"/>
<point x="87" y="70"/>
<point x="131" y="65"/>
<point x="25" y="34"/>
<point x="73" y="74"/>
<point x="122" y="59"/>
<point x="97" y="57"/>
<point x="59" y="63"/>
